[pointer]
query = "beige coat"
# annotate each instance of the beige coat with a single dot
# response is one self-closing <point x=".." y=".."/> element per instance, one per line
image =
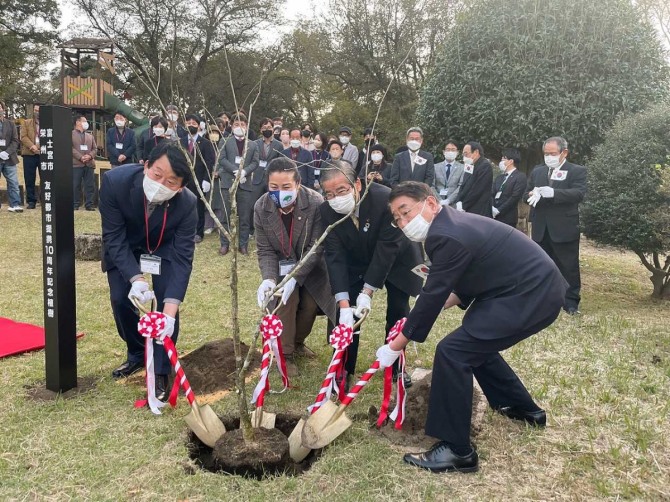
<point x="270" y="231"/>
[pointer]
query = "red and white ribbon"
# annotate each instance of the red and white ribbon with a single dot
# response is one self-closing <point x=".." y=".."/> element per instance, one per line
<point x="365" y="378"/>
<point x="398" y="414"/>
<point x="271" y="328"/>
<point x="340" y="338"/>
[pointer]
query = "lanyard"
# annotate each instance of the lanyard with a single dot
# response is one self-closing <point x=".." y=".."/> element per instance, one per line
<point x="146" y="222"/>
<point x="122" y="136"/>
<point x="504" y="181"/>
<point x="290" y="239"/>
<point x="316" y="157"/>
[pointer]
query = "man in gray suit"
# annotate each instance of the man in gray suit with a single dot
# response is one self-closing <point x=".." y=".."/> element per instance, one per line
<point x="448" y="175"/>
<point x="413" y="164"/>
<point x="228" y="167"/>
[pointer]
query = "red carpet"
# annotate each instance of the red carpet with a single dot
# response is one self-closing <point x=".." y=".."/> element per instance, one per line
<point x="18" y="337"/>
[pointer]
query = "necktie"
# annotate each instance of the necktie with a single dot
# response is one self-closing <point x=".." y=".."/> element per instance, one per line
<point x="448" y="172"/>
<point x="190" y="145"/>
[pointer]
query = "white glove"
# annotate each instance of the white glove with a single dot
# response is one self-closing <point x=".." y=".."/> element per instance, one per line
<point x="534" y="198"/>
<point x="459" y="206"/>
<point x="495" y="211"/>
<point x="347" y="316"/>
<point x="546" y="192"/>
<point x="243" y="175"/>
<point x="168" y="330"/>
<point x="266" y="286"/>
<point x="4" y="155"/>
<point x="362" y="302"/>
<point x="206" y="186"/>
<point x="287" y="290"/>
<point x="140" y="290"/>
<point x="387" y="356"/>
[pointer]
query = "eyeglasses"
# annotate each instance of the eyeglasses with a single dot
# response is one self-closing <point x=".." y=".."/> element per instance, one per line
<point x="404" y="214"/>
<point x="338" y="193"/>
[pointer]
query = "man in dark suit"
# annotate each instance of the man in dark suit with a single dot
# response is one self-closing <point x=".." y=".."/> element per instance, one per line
<point x="202" y="157"/>
<point x="508" y="188"/>
<point x="365" y="253"/>
<point x="120" y="141"/>
<point x="510" y="289"/>
<point x="230" y="160"/>
<point x="148" y="224"/>
<point x="302" y="157"/>
<point x="555" y="190"/>
<point x="475" y="193"/>
<point x="413" y="164"/>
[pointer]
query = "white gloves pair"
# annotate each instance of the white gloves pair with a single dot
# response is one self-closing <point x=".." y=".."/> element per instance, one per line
<point x="268" y="285"/>
<point x="459" y="207"/>
<point x="243" y="175"/>
<point x="140" y="290"/>
<point x="4" y="155"/>
<point x="387" y="356"/>
<point x="206" y="185"/>
<point x="538" y="193"/>
<point x="495" y="211"/>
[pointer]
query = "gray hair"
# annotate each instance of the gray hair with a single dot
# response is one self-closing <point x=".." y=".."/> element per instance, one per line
<point x="336" y="167"/>
<point x="414" y="129"/>
<point x="560" y="141"/>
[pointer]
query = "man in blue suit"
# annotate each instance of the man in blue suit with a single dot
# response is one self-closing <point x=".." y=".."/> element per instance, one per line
<point x="511" y="290"/>
<point x="148" y="226"/>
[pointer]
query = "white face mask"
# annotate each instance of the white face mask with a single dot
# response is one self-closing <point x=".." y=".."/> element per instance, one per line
<point x="295" y="143"/>
<point x="159" y="131"/>
<point x="414" y="145"/>
<point x="468" y="161"/>
<point x="343" y="204"/>
<point x="120" y="123"/>
<point x="173" y="117"/>
<point x="156" y="192"/>
<point x="283" y="198"/>
<point x="502" y="166"/>
<point x="84" y="126"/>
<point x="450" y="156"/>
<point x="552" y="161"/>
<point x="376" y="157"/>
<point x="417" y="229"/>
<point x="169" y="132"/>
<point x="203" y="126"/>
<point x="239" y="132"/>
<point x="344" y="140"/>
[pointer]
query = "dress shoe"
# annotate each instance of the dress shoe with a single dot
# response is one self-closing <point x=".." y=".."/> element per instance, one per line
<point x="304" y="351"/>
<point x="572" y="310"/>
<point x="90" y="208"/>
<point x="244" y="250"/>
<point x="127" y="369"/>
<point x="440" y="458"/>
<point x="407" y="380"/>
<point x="291" y="368"/>
<point x="162" y="387"/>
<point x="197" y="239"/>
<point x="535" y="418"/>
<point x="223" y="250"/>
<point x="31" y="205"/>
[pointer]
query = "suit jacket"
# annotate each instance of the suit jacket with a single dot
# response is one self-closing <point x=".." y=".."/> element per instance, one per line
<point x="203" y="158"/>
<point x="475" y="192"/>
<point x="305" y="166"/>
<point x="141" y="141"/>
<point x="351" y="154"/>
<point x="513" y="187"/>
<point x="560" y="215"/>
<point x="423" y="172"/>
<point x="227" y="163"/>
<point x="452" y="185"/>
<point x="375" y="252"/>
<point x="259" y="177"/>
<point x="122" y="208"/>
<point x="79" y="139"/>
<point x="11" y="139"/>
<point x="507" y="283"/>
<point x="29" y="134"/>
<point x="271" y="236"/>
<point x="127" y="138"/>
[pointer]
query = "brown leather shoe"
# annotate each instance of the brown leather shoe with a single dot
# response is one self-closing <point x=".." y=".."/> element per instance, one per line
<point x="291" y="367"/>
<point x="304" y="351"/>
<point x="223" y="250"/>
<point x="244" y="250"/>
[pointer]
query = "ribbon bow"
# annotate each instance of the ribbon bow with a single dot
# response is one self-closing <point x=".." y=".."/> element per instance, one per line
<point x="398" y="414"/>
<point x="271" y="329"/>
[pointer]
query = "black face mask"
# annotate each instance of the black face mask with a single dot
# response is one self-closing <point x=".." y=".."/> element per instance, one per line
<point x="277" y="136"/>
<point x="193" y="129"/>
<point x="305" y="133"/>
<point x="268" y="133"/>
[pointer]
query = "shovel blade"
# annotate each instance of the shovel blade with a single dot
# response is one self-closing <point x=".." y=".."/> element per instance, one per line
<point x="205" y="424"/>
<point x="326" y="425"/>
<point x="260" y="418"/>
<point x="295" y="448"/>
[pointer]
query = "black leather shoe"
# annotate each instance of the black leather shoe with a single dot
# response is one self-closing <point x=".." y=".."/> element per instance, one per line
<point x="31" y="205"/>
<point x="162" y="387"/>
<point x="127" y="369"/>
<point x="406" y="379"/>
<point x="440" y="458"/>
<point x="535" y="418"/>
<point x="244" y="250"/>
<point x="572" y="310"/>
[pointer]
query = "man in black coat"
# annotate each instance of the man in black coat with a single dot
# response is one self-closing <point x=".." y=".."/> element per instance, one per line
<point x="365" y="253"/>
<point x="511" y="290"/>
<point x="203" y="157"/>
<point x="475" y="193"/>
<point x="555" y="190"/>
<point x="148" y="224"/>
<point x="508" y="188"/>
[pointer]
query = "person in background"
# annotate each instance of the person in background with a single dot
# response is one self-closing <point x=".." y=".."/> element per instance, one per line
<point x="306" y="139"/>
<point x="319" y="156"/>
<point x="474" y="195"/>
<point x="414" y="164"/>
<point x="268" y="149"/>
<point x="336" y="149"/>
<point x="377" y="170"/>
<point x="285" y="138"/>
<point x="9" y="144"/>
<point x="174" y="130"/>
<point x="120" y="141"/>
<point x="302" y="158"/>
<point x="508" y="188"/>
<point x="369" y="140"/>
<point x="144" y="137"/>
<point x="349" y="150"/>
<point x="30" y="151"/>
<point x="83" y="163"/>
<point x="448" y="175"/>
<point x="288" y="223"/>
<point x="157" y="126"/>
<point x="214" y="195"/>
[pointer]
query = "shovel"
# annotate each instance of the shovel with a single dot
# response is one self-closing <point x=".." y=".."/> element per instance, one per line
<point x="297" y="451"/>
<point x="202" y="421"/>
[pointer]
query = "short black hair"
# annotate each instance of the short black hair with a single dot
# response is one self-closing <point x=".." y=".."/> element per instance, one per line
<point x="283" y="165"/>
<point x="335" y="142"/>
<point x="296" y="128"/>
<point x="476" y="146"/>
<point x="265" y="121"/>
<point x="413" y="189"/>
<point x="159" y="119"/>
<point x="451" y="142"/>
<point x="224" y="114"/>
<point x="176" y="158"/>
<point x="192" y="116"/>
<point x="513" y="155"/>
<point x="240" y="117"/>
<point x="119" y="112"/>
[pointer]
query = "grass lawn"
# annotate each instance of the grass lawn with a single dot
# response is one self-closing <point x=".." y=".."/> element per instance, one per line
<point x="604" y="379"/>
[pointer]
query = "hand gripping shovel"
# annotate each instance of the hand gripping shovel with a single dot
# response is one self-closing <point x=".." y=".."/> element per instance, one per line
<point x="339" y="341"/>
<point x="202" y="421"/>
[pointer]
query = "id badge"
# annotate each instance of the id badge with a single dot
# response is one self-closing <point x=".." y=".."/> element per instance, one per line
<point x="3" y="142"/>
<point x="150" y="264"/>
<point x="83" y="148"/>
<point x="119" y="146"/>
<point x="286" y="266"/>
<point x="238" y="159"/>
<point x="444" y="192"/>
<point x="317" y="172"/>
<point x="262" y="163"/>
<point x="498" y="194"/>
